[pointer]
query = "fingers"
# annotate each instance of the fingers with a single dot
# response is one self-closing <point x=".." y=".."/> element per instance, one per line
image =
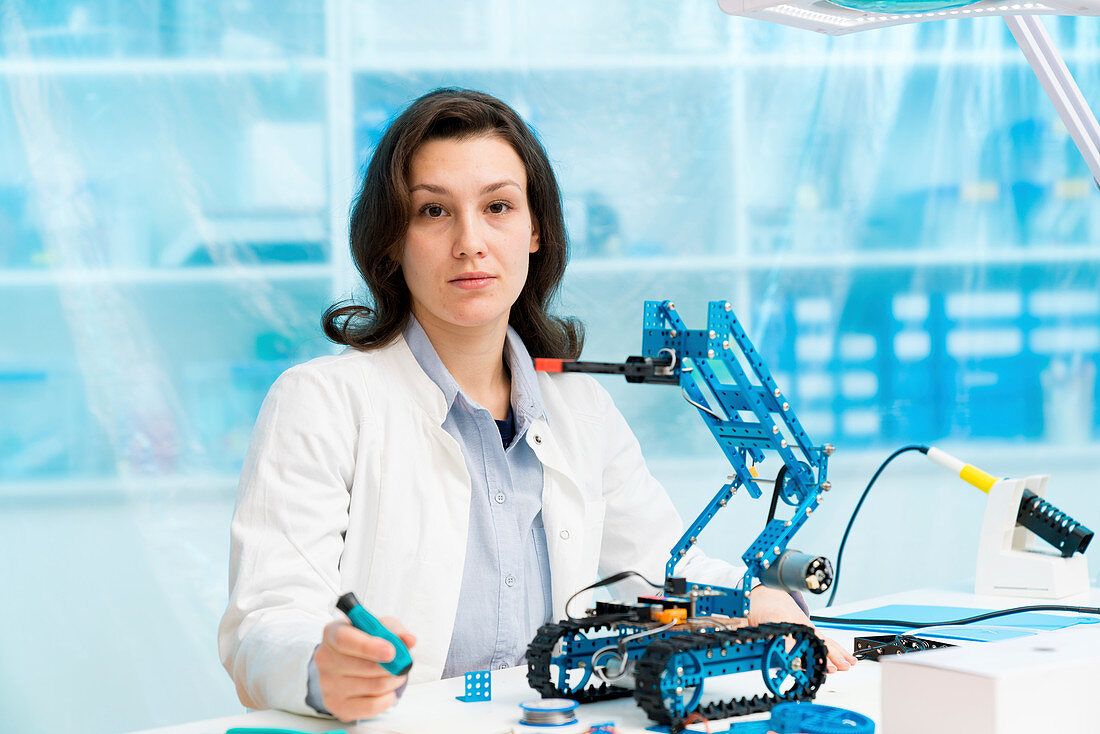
<point x="839" y="657"/>
<point x="361" y="707"/>
<point x="346" y="640"/>
<point x="353" y="683"/>
<point x="394" y="626"/>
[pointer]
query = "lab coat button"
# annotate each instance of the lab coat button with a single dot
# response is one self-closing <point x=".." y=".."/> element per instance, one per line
<point x="538" y="438"/>
<point x="502" y="666"/>
<point x="500" y="498"/>
<point x="509" y="580"/>
<point x="564" y="534"/>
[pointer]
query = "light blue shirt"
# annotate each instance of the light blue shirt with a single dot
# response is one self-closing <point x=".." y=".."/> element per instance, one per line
<point x="505" y="594"/>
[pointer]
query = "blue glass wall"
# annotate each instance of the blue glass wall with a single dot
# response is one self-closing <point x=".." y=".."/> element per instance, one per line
<point x="898" y="217"/>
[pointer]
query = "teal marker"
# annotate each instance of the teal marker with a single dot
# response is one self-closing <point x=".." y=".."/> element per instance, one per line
<point x="365" y="621"/>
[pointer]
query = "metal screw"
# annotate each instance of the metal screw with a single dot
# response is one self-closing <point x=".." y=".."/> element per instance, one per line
<point x="826" y="486"/>
<point x="672" y="333"/>
<point x="694" y="539"/>
<point x="712" y="334"/>
<point x="679" y="671"/>
<point x="809" y="510"/>
<point x="760" y="555"/>
<point x="775" y="430"/>
<point x="777" y="393"/>
<point x="829" y="449"/>
<point x="722" y="503"/>
<point x="765" y="564"/>
<point x="783" y="443"/>
<point x="725" y="344"/>
<point x="787" y="524"/>
<point x="777" y="551"/>
<point x="710" y="353"/>
<point x="729" y="306"/>
<point x="786" y="406"/>
<point x="671" y="306"/>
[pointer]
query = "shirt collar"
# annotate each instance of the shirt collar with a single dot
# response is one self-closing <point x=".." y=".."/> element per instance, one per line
<point x="526" y="398"/>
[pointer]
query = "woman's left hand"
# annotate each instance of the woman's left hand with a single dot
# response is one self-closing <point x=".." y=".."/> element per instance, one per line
<point x="772" y="605"/>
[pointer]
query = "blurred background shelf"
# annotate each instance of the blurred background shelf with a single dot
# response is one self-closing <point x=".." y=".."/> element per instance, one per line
<point x="35" y="277"/>
<point x="129" y="67"/>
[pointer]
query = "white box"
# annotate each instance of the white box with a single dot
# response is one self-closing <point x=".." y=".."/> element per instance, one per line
<point x="1029" y="685"/>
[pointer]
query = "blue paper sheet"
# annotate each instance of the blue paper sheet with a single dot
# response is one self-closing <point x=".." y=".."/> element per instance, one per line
<point x="1007" y="627"/>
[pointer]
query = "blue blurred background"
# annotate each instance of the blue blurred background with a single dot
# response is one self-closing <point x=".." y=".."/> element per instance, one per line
<point x="898" y="216"/>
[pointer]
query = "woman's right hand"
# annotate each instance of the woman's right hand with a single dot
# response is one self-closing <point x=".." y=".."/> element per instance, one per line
<point x="353" y="683"/>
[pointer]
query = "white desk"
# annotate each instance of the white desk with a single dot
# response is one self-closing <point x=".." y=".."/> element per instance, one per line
<point x="431" y="707"/>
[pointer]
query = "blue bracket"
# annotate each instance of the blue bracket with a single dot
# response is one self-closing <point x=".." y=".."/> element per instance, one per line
<point x="478" y="687"/>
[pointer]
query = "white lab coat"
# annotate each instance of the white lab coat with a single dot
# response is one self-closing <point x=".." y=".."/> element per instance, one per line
<point x="349" y="456"/>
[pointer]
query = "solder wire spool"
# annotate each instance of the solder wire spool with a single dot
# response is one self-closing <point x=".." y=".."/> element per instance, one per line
<point x="549" y="712"/>
<point x="813" y="718"/>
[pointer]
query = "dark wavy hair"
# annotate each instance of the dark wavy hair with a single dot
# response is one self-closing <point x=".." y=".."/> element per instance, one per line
<point x="381" y="214"/>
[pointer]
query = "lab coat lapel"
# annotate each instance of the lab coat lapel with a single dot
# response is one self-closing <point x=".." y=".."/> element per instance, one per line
<point x="438" y="515"/>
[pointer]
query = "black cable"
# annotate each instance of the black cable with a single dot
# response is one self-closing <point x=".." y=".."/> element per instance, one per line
<point x="615" y="578"/>
<point x="775" y="492"/>
<point x="965" y="620"/>
<point x="844" y="540"/>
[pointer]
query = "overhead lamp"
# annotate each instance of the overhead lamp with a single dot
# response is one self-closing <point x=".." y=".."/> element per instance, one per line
<point x="839" y="17"/>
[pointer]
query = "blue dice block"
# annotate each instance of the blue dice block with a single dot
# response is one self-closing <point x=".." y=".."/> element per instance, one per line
<point x="478" y="687"/>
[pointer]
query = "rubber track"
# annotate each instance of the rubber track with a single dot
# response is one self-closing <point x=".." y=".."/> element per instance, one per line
<point x="653" y="663"/>
<point x="542" y="647"/>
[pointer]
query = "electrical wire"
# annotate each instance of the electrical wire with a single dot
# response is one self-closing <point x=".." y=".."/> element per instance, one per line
<point x="776" y="489"/>
<point x="613" y="579"/>
<point x="951" y="622"/>
<point x="855" y="512"/>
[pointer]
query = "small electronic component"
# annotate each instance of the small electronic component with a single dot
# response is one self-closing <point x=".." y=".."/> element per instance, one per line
<point x="874" y="647"/>
<point x="798" y="571"/>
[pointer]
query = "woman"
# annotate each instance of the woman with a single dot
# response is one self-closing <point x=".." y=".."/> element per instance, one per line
<point x="427" y="467"/>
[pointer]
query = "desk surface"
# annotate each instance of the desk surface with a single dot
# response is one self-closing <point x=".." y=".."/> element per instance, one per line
<point x="432" y="707"/>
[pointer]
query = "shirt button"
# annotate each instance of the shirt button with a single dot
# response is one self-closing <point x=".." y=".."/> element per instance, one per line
<point x="509" y="580"/>
<point x="500" y="498"/>
<point x="564" y="534"/>
<point x="502" y="666"/>
<point x="538" y="438"/>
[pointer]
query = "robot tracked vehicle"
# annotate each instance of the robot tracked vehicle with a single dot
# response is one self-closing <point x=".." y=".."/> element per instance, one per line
<point x="663" y="649"/>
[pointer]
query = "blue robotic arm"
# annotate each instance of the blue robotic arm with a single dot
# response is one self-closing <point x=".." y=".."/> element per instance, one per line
<point x="720" y="372"/>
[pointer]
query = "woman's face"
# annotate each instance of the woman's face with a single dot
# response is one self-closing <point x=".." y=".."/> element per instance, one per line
<point x="466" y="251"/>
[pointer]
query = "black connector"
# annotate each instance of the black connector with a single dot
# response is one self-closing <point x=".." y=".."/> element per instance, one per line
<point x="676" y="586"/>
<point x="874" y="647"/>
<point x="1052" y="525"/>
